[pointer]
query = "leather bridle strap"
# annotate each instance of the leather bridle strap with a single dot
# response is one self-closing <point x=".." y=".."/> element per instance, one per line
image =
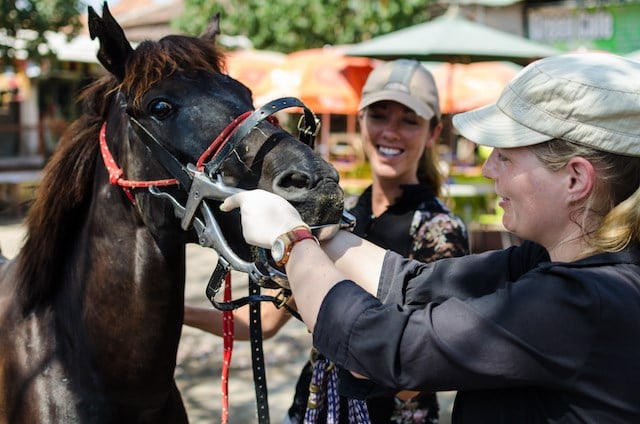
<point x="306" y="135"/>
<point x="257" y="357"/>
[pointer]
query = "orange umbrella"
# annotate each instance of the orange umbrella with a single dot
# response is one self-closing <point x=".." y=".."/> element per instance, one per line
<point x="464" y="87"/>
<point x="326" y="80"/>
<point x="251" y="67"/>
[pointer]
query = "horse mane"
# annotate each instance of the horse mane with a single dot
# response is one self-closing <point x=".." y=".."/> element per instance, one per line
<point x="154" y="61"/>
<point x="64" y="193"/>
<point x="61" y="197"/>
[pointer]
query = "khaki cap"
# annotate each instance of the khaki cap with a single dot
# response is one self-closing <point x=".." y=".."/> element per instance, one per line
<point x="587" y="98"/>
<point x="406" y="82"/>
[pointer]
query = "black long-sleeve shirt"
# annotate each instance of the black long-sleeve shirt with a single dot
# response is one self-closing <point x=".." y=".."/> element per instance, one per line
<point x="522" y="339"/>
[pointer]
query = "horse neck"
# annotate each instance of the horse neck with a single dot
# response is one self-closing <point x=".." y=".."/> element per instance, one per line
<point x="134" y="291"/>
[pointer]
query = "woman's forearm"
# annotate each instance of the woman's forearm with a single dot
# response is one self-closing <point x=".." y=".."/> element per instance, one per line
<point x="210" y="319"/>
<point x="360" y="260"/>
<point x="205" y="319"/>
<point x="346" y="256"/>
<point x="310" y="283"/>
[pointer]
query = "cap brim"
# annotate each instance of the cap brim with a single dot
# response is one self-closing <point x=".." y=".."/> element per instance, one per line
<point x="419" y="107"/>
<point x="489" y="126"/>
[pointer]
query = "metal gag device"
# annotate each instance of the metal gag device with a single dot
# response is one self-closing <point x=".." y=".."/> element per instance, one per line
<point x="210" y="235"/>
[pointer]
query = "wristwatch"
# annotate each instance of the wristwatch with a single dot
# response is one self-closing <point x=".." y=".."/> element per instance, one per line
<point x="281" y="248"/>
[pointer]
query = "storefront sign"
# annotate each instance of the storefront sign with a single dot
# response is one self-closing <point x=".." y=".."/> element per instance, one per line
<point x="612" y="28"/>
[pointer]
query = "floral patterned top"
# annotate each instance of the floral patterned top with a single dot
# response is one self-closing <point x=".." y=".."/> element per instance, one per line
<point x="419" y="226"/>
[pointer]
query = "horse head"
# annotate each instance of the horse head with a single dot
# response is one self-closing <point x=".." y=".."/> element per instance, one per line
<point x="175" y="91"/>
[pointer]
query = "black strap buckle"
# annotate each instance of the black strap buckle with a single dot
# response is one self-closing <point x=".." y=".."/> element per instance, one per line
<point x="308" y="131"/>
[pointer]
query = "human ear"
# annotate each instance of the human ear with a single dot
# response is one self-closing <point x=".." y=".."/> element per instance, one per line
<point x="582" y="177"/>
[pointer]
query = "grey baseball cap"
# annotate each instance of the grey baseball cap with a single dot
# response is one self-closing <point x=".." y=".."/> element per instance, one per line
<point x="406" y="82"/>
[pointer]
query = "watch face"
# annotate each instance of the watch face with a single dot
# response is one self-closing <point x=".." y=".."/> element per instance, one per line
<point x="277" y="250"/>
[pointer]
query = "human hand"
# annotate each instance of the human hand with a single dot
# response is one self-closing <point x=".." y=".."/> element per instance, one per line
<point x="264" y="215"/>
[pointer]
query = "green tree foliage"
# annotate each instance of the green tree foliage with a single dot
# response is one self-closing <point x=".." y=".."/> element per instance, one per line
<point x="24" y="22"/>
<point x="290" y="25"/>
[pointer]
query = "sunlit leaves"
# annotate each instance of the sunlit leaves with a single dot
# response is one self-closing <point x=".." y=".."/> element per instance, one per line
<point x="24" y="22"/>
<point x="289" y="25"/>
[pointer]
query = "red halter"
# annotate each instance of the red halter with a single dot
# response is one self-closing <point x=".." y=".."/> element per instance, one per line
<point x="116" y="173"/>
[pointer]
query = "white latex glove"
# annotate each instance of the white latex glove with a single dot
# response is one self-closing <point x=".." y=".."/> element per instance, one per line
<point x="265" y="216"/>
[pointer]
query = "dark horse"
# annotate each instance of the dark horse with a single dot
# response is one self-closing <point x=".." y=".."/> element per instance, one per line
<point x="91" y="308"/>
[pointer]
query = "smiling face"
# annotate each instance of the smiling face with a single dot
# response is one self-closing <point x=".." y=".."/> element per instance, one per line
<point x="395" y="139"/>
<point x="536" y="200"/>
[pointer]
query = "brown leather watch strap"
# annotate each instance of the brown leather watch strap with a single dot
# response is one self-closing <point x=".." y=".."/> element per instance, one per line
<point x="289" y="239"/>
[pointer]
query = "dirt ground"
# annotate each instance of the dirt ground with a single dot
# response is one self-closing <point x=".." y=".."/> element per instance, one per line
<point x="200" y="354"/>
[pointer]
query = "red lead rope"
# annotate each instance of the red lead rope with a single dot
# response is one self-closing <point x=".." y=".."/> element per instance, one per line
<point x="227" y="333"/>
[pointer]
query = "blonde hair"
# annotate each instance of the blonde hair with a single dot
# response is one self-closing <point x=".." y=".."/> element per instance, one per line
<point x="429" y="172"/>
<point x="615" y="199"/>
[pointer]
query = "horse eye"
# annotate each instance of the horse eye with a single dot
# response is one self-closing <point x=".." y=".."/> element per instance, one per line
<point x="160" y="109"/>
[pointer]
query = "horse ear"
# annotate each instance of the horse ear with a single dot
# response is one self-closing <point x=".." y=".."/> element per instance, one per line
<point x="114" y="46"/>
<point x="212" y="29"/>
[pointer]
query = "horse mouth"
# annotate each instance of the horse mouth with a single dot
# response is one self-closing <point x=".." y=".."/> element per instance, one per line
<point x="322" y="205"/>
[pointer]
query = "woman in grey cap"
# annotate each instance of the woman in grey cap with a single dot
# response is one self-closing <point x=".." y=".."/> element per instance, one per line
<point x="546" y="332"/>
<point x="400" y="122"/>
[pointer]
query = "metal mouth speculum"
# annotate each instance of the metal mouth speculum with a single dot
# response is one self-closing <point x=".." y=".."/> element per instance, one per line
<point x="210" y="235"/>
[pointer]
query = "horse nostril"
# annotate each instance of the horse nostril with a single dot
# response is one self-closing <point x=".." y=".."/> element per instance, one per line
<point x="293" y="181"/>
